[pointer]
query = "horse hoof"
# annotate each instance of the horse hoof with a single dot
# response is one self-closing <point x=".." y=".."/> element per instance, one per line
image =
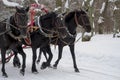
<point x="44" y="65"/>
<point x="5" y="75"/>
<point x="35" y="72"/>
<point x="50" y="66"/>
<point x="77" y="70"/>
<point x="54" y="67"/>
<point x="22" y="72"/>
<point x="38" y="61"/>
<point x="17" y="65"/>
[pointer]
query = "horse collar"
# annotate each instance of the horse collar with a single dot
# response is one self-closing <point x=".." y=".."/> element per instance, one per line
<point x="40" y="28"/>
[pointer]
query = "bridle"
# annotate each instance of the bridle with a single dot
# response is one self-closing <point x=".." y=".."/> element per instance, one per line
<point x="16" y="19"/>
<point x="76" y="20"/>
<point x="77" y="23"/>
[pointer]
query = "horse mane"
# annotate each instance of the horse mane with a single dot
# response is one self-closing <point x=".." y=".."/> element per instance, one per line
<point x="49" y="15"/>
<point x="69" y="16"/>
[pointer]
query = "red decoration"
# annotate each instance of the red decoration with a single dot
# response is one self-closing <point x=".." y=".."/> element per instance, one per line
<point x="32" y="11"/>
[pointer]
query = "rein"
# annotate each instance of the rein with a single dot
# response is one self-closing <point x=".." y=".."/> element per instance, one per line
<point x="7" y="26"/>
<point x="8" y="30"/>
<point x="4" y="32"/>
<point x="74" y="41"/>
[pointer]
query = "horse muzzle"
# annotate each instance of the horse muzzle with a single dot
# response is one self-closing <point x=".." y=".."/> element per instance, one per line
<point x="88" y="29"/>
<point x="23" y="32"/>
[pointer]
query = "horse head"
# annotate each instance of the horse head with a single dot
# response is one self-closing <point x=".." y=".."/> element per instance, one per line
<point x="81" y="18"/>
<point x="19" y="22"/>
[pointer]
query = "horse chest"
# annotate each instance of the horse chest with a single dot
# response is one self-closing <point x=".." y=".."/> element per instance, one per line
<point x="6" y="41"/>
<point x="39" y="41"/>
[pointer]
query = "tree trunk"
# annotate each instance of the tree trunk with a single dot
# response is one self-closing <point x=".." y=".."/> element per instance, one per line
<point x="89" y="6"/>
<point x="59" y="4"/>
<point x="103" y="14"/>
<point x="116" y="16"/>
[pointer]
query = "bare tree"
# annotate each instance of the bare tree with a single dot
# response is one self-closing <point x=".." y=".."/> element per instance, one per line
<point x="7" y="8"/>
<point x="88" y="5"/>
<point x="103" y="17"/>
<point x="116" y="16"/>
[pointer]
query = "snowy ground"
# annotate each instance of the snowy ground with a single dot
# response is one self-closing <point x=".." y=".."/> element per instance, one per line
<point x="98" y="59"/>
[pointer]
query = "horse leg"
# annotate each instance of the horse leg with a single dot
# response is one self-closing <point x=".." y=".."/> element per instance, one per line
<point x="73" y="57"/>
<point x="21" y="52"/>
<point x="16" y="61"/>
<point x="34" y="70"/>
<point x="39" y="56"/>
<point x="44" y="53"/>
<point x="47" y="64"/>
<point x="40" y="53"/>
<point x="60" y="48"/>
<point x="3" y="53"/>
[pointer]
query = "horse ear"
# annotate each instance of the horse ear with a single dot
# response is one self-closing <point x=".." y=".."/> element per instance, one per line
<point x="27" y="9"/>
<point x="17" y="9"/>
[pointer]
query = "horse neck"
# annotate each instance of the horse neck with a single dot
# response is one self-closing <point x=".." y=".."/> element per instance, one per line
<point x="12" y="21"/>
<point x="71" y="25"/>
<point x="12" y="24"/>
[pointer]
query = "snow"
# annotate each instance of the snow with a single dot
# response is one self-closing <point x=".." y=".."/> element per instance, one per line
<point x="91" y="2"/>
<point x="100" y="20"/>
<point x="83" y="3"/>
<point x="98" y="59"/>
<point x="11" y="4"/>
<point x="66" y="4"/>
<point x="102" y="8"/>
<point x="56" y="9"/>
<point x="112" y="0"/>
<point x="115" y="8"/>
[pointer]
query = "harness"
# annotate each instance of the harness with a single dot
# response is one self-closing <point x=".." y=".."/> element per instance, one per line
<point x="40" y="28"/>
<point x="8" y="29"/>
<point x="74" y="36"/>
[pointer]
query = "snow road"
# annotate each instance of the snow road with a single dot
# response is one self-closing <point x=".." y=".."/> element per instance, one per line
<point x="98" y="59"/>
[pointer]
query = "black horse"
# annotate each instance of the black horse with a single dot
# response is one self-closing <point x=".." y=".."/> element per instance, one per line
<point x="72" y="21"/>
<point x="48" y="25"/>
<point x="11" y="30"/>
